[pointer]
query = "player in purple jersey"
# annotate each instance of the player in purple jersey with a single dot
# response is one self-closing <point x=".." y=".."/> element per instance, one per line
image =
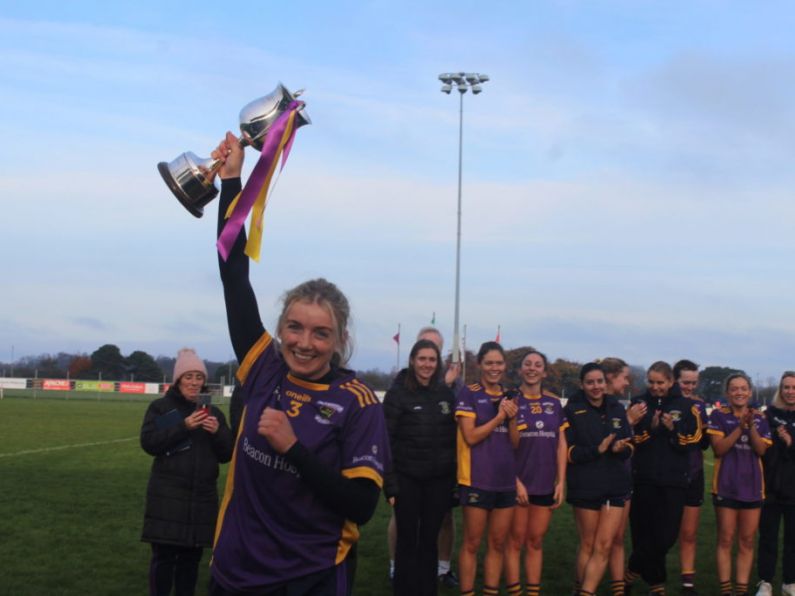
<point x="740" y="436"/>
<point x="779" y="492"/>
<point x="486" y="470"/>
<point x="686" y="378"/>
<point x="600" y="441"/>
<point x="537" y="436"/>
<point x="618" y="381"/>
<point x="312" y="445"/>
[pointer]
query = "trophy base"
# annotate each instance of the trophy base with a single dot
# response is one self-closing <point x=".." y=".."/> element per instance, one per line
<point x="192" y="201"/>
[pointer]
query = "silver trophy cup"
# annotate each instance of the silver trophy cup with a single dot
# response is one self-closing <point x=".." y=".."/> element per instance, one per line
<point x="191" y="178"/>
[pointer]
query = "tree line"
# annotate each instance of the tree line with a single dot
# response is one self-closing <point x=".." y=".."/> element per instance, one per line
<point x="107" y="362"/>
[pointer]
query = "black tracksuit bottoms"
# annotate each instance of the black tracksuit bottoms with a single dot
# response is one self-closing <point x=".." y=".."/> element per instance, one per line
<point x="654" y="519"/>
<point x="420" y="508"/>
<point x="772" y="514"/>
<point x="176" y="566"/>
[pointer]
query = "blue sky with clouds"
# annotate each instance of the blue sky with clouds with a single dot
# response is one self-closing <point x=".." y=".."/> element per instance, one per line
<point x="628" y="177"/>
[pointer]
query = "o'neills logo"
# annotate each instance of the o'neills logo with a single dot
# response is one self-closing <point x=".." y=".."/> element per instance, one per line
<point x="302" y="397"/>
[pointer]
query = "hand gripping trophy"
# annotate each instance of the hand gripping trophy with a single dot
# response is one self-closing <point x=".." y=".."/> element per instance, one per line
<point x="191" y="178"/>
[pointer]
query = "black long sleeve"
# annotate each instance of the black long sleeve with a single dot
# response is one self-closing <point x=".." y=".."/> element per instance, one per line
<point x="242" y="312"/>
<point x="353" y="498"/>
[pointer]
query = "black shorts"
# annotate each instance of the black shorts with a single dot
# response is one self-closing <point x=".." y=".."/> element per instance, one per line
<point x="542" y="500"/>
<point x="486" y="499"/>
<point x="735" y="504"/>
<point x="597" y="504"/>
<point x="694" y="494"/>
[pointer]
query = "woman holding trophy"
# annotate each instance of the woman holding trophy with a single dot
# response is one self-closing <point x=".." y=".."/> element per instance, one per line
<point x="311" y="448"/>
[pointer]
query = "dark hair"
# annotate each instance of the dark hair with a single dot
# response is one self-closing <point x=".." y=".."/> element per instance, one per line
<point x="590" y="367"/>
<point x="411" y="378"/>
<point x="736" y="375"/>
<point x="663" y="368"/>
<point x="487" y="347"/>
<point x="532" y="351"/>
<point x="682" y="366"/>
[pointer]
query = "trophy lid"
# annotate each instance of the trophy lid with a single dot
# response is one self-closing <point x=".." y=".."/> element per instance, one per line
<point x="257" y="117"/>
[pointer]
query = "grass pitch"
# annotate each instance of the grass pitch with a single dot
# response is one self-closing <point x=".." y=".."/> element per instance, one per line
<point x="72" y="489"/>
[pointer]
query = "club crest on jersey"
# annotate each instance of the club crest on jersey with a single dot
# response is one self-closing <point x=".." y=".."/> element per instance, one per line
<point x="326" y="412"/>
<point x="744" y="438"/>
<point x="549" y="409"/>
<point x="539" y="424"/>
<point x="445" y="407"/>
<point x="676" y="415"/>
<point x="617" y="423"/>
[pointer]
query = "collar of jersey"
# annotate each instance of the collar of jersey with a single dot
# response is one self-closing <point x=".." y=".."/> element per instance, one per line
<point x="307" y="384"/>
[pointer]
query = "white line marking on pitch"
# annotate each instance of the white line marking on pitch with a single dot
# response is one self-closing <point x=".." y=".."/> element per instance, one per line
<point x="62" y="447"/>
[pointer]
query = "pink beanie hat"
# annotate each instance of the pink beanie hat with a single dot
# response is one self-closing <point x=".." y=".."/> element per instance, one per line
<point x="188" y="360"/>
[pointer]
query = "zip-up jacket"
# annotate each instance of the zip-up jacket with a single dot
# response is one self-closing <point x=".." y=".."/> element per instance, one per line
<point x="182" y="496"/>
<point x="662" y="456"/>
<point x="422" y="432"/>
<point x="590" y="474"/>
<point x="779" y="460"/>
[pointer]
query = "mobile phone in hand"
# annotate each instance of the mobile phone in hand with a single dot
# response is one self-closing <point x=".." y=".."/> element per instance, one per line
<point x="203" y="402"/>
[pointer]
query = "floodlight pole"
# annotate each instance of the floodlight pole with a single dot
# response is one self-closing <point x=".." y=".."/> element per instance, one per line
<point x="463" y="82"/>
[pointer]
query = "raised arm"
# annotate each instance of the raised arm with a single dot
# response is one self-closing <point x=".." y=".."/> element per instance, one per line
<point x="242" y="313"/>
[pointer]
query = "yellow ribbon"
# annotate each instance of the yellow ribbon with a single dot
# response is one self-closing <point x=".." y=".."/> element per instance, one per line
<point x="255" y="227"/>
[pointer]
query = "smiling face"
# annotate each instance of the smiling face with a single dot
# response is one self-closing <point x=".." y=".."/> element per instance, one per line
<point x="738" y="392"/>
<point x="424" y="365"/>
<point x="617" y="384"/>
<point x="492" y="368"/>
<point x="308" y="339"/>
<point x="190" y="384"/>
<point x="658" y="383"/>
<point x="594" y="385"/>
<point x="533" y="370"/>
<point x="787" y="392"/>
<point x="688" y="380"/>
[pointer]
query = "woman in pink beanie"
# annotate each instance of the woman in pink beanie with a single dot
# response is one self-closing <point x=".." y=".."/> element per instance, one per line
<point x="188" y="442"/>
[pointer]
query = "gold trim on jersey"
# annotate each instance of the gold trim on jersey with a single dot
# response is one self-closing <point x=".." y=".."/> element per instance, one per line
<point x="363" y="393"/>
<point x="465" y="414"/>
<point x="464" y="458"/>
<point x="306" y="384"/>
<point x="350" y="535"/>
<point x="251" y="357"/>
<point x="230" y="482"/>
<point x="364" y="472"/>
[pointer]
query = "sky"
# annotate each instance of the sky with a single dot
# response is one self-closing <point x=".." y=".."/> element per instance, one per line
<point x="627" y="174"/>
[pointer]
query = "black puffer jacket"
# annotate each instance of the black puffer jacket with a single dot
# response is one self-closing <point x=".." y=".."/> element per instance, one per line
<point x="422" y="432"/>
<point x="590" y="474"/>
<point x="182" y="496"/>
<point x="779" y="460"/>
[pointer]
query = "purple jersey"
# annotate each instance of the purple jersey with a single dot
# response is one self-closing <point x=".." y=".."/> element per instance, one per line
<point x="738" y="473"/>
<point x="271" y="527"/>
<point x="489" y="465"/>
<point x="540" y="421"/>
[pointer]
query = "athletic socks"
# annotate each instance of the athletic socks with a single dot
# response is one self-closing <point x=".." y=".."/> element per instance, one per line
<point x="576" y="589"/>
<point x="490" y="591"/>
<point x="617" y="587"/>
<point x="657" y="590"/>
<point x="532" y="589"/>
<point x="688" y="579"/>
<point x="514" y="589"/>
<point x="726" y="588"/>
<point x="741" y="589"/>
<point x="467" y="592"/>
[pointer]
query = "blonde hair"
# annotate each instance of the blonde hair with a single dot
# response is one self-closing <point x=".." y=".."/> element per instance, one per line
<point x="777" y="401"/>
<point x="324" y="293"/>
